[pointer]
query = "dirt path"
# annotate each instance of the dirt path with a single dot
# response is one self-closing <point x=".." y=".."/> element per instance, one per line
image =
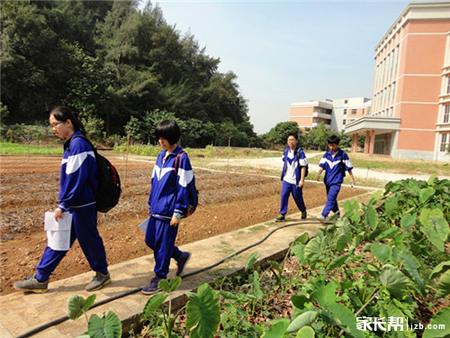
<point x="28" y="189"/>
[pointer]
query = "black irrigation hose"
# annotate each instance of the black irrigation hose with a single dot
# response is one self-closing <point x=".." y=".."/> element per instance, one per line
<point x="129" y="292"/>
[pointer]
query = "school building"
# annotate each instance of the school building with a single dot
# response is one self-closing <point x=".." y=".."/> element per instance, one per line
<point x="409" y="116"/>
<point x="411" y="87"/>
<point x="335" y="114"/>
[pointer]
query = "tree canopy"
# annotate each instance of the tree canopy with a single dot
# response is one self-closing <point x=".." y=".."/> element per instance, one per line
<point x="118" y="65"/>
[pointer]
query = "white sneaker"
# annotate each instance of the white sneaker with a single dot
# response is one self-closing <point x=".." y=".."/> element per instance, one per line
<point x="322" y="219"/>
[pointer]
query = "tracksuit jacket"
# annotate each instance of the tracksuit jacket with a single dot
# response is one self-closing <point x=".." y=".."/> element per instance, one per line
<point x="334" y="173"/>
<point x="78" y="179"/>
<point x="168" y="196"/>
<point x="289" y="188"/>
<point x="287" y="161"/>
<point x="334" y="176"/>
<point x="169" y="192"/>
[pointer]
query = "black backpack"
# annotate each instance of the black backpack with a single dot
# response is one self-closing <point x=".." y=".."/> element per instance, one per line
<point x="108" y="192"/>
<point x="298" y="159"/>
<point x="192" y="190"/>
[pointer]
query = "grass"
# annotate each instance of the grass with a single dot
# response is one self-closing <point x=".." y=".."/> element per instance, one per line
<point x="400" y="166"/>
<point x="208" y="152"/>
<point x="7" y="148"/>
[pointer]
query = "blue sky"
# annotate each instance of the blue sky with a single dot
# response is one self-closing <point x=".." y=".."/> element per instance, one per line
<point x="284" y="52"/>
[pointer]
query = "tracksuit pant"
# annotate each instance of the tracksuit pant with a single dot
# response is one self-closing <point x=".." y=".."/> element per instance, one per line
<point x="160" y="237"/>
<point x="84" y="228"/>
<point x="332" y="204"/>
<point x="297" y="193"/>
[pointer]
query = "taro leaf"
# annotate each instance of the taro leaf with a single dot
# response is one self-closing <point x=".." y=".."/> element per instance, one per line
<point x="203" y="312"/>
<point x="302" y="239"/>
<point x="325" y="294"/>
<point x="408" y="221"/>
<point x="105" y="327"/>
<point x="391" y="205"/>
<point x="251" y="260"/>
<point x="174" y="283"/>
<point x="299" y="301"/>
<point x="425" y="194"/>
<point x="339" y="261"/>
<point x="164" y="285"/>
<point x="342" y="242"/>
<point x="389" y="233"/>
<point x="441" y="268"/>
<point x="444" y="285"/>
<point x="371" y="217"/>
<point x="76" y="305"/>
<point x="440" y="325"/>
<point x="277" y="328"/>
<point x="344" y="318"/>
<point x="84" y="335"/>
<point x="352" y="210"/>
<point x="412" y="265"/>
<point x="306" y="332"/>
<point x="435" y="219"/>
<point x="153" y="304"/>
<point x="432" y="179"/>
<point x="395" y="281"/>
<point x="299" y="252"/>
<point x="375" y="198"/>
<point x="435" y="227"/>
<point x="382" y="252"/>
<point x="313" y="250"/>
<point x="306" y="318"/>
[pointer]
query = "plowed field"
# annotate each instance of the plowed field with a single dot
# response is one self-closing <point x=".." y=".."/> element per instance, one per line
<point x="29" y="187"/>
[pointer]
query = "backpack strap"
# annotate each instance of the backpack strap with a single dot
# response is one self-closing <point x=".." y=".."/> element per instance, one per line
<point x="178" y="161"/>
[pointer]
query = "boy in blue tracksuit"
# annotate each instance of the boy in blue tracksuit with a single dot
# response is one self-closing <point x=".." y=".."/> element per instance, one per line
<point x="293" y="177"/>
<point x="79" y="176"/>
<point x="335" y="162"/>
<point x="168" y="201"/>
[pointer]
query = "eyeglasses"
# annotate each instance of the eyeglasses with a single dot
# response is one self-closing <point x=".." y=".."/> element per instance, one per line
<point x="54" y="125"/>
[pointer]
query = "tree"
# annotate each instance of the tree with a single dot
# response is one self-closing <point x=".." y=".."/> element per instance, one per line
<point x="280" y="132"/>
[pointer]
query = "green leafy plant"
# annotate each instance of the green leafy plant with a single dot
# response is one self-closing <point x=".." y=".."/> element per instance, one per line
<point x="108" y="326"/>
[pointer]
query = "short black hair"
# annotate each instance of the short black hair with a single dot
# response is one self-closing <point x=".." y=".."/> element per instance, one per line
<point x="169" y="130"/>
<point x="333" y="139"/>
<point x="292" y="134"/>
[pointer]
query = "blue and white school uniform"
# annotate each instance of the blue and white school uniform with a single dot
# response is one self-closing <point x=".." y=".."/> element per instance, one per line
<point x="291" y="178"/>
<point x="168" y="195"/>
<point x="78" y="167"/>
<point x="334" y="176"/>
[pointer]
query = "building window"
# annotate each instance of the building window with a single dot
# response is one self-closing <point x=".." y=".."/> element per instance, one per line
<point x="363" y="111"/>
<point x="443" y="142"/>
<point x="345" y="101"/>
<point x="345" y="111"/>
<point x="448" y="85"/>
<point x="353" y="111"/>
<point x="447" y="114"/>
<point x="344" y="122"/>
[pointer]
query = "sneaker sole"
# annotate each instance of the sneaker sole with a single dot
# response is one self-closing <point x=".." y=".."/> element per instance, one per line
<point x="148" y="293"/>
<point x="100" y="286"/>
<point x="31" y="290"/>
<point x="185" y="263"/>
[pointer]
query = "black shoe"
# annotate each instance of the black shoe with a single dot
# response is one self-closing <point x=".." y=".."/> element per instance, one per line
<point x="304" y="214"/>
<point x="280" y="218"/>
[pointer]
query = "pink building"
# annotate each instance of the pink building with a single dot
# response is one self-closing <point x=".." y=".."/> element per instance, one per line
<point x="410" y="114"/>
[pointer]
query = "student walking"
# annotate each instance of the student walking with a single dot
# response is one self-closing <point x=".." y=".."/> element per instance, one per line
<point x="293" y="177"/>
<point x="76" y="196"/>
<point x="168" y="201"/>
<point x="335" y="162"/>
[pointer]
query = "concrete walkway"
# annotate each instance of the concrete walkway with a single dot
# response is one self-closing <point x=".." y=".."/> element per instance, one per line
<point x="21" y="313"/>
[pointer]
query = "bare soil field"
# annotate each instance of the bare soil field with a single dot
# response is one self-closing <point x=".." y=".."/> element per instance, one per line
<point x="29" y="187"/>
